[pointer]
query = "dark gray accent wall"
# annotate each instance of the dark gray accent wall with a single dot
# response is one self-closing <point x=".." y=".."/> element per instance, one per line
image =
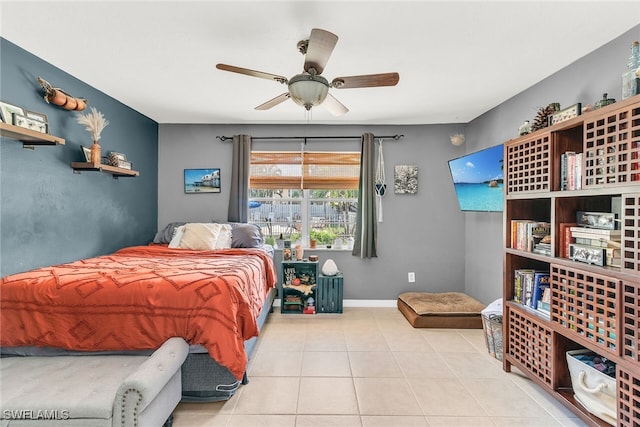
<point x="49" y="214"/>
<point x="585" y="81"/>
<point x="423" y="233"/>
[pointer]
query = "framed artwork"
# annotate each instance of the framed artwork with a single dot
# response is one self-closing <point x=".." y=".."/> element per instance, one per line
<point x="568" y="113"/>
<point x="8" y="110"/>
<point x="199" y="181"/>
<point x="28" y="123"/>
<point x="405" y="179"/>
<point x="87" y="153"/>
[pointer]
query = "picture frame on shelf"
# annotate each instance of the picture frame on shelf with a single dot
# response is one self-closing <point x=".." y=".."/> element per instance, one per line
<point x="27" y="123"/>
<point x="8" y="110"/>
<point x="41" y="118"/>
<point x="603" y="220"/>
<point x="202" y="181"/>
<point x="568" y="113"/>
<point x="588" y="254"/>
<point x="87" y="153"/>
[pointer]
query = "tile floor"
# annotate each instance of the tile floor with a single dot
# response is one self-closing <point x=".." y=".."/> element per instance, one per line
<point x="369" y="367"/>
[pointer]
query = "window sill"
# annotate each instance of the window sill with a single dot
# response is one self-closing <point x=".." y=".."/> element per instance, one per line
<point x="322" y="249"/>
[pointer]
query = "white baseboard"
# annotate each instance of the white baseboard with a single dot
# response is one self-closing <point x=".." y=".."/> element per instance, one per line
<point x="358" y="303"/>
<point x="369" y="303"/>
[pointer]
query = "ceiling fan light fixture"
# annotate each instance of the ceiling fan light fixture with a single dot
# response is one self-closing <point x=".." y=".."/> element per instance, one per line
<point x="308" y="90"/>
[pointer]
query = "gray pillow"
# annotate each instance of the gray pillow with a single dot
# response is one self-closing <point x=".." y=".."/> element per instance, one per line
<point x="166" y="234"/>
<point x="246" y="235"/>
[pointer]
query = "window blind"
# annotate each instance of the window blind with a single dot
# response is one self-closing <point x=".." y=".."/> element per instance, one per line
<point x="312" y="170"/>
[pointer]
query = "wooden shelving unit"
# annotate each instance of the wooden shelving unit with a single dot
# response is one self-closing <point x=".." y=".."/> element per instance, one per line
<point x="299" y="282"/>
<point x="28" y="136"/>
<point x="592" y="307"/>
<point x="115" y="171"/>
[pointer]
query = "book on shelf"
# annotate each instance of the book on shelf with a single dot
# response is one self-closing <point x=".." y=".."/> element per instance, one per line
<point x="526" y="234"/>
<point x="519" y="287"/>
<point x="571" y="171"/>
<point x="544" y="305"/>
<point x="529" y="284"/>
<point x="538" y="232"/>
<point x="542" y="249"/>
<point x="597" y="232"/>
<point x="614" y="255"/>
<point x="540" y="283"/>
<point x="565" y="238"/>
<point x="601" y="243"/>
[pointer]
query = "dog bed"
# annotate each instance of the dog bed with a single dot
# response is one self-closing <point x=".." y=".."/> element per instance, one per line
<point x="441" y="310"/>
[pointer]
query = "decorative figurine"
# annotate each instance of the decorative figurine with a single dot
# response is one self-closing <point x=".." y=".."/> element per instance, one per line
<point x="525" y="128"/>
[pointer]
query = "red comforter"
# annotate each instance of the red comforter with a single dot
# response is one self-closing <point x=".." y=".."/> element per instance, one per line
<point x="139" y="297"/>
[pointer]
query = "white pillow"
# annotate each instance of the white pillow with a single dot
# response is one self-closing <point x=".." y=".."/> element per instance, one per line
<point x="199" y="236"/>
<point x="177" y="236"/>
<point x="224" y="238"/>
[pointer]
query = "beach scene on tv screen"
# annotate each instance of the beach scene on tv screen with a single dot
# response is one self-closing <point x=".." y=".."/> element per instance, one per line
<point x="478" y="180"/>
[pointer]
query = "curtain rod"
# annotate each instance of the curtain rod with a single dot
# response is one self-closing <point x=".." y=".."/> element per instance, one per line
<point x="230" y="138"/>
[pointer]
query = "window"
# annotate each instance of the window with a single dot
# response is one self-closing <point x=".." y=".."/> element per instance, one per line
<point x="304" y="195"/>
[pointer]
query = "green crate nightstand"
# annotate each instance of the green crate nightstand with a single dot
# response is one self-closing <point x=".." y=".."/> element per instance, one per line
<point x="298" y="286"/>
<point x="329" y="294"/>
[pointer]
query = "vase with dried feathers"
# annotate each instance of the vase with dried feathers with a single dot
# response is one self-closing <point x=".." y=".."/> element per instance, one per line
<point x="94" y="123"/>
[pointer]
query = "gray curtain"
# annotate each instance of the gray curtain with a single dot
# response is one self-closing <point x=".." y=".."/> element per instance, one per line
<point x="366" y="224"/>
<point x="239" y="197"/>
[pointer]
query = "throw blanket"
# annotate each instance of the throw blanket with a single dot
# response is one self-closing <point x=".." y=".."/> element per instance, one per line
<point x="139" y="297"/>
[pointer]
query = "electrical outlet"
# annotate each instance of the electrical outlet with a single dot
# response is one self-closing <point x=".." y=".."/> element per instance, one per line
<point x="411" y="276"/>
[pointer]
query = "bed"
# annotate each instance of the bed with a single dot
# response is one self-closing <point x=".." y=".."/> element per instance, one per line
<point x="215" y="296"/>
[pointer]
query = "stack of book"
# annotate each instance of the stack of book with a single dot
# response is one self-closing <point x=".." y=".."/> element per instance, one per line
<point x="531" y="236"/>
<point x="530" y="287"/>
<point x="571" y="171"/>
<point x="595" y="246"/>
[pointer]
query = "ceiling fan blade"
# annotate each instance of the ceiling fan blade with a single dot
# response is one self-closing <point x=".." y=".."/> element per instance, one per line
<point x="321" y="44"/>
<point x="252" y="73"/>
<point x="369" y="80"/>
<point x="273" y="102"/>
<point x="334" y="106"/>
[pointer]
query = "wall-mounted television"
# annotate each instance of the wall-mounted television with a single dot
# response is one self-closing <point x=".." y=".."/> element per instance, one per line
<point x="478" y="179"/>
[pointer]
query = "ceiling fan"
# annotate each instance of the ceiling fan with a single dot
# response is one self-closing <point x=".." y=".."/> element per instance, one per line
<point x="310" y="88"/>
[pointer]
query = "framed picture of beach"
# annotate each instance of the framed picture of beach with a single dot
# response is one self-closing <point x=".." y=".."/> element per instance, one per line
<point x="202" y="181"/>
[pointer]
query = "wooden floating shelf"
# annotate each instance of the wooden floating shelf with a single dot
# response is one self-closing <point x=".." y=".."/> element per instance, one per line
<point x="113" y="170"/>
<point x="28" y="136"/>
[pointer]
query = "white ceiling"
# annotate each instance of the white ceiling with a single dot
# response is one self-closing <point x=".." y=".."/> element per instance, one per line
<point x="456" y="59"/>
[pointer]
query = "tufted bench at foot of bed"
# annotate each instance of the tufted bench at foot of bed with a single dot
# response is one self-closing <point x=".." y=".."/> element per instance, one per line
<point x="96" y="390"/>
